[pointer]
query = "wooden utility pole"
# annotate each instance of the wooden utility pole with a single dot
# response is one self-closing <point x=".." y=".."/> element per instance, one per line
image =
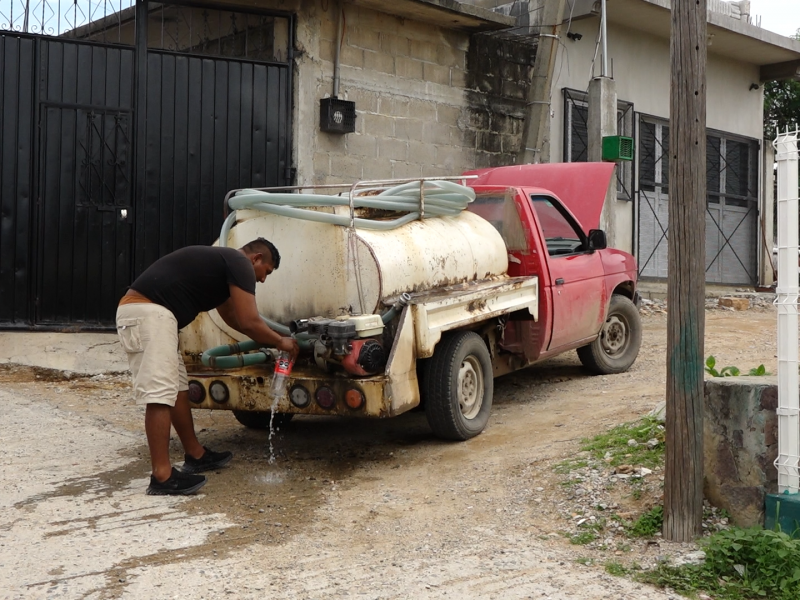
<point x="683" y="479"/>
<point x="536" y="130"/>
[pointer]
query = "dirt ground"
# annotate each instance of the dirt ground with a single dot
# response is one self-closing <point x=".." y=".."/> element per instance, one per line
<point x="348" y="509"/>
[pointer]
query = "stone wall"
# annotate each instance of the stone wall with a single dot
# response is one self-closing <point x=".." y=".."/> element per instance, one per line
<point x="429" y="100"/>
<point x="740" y="445"/>
<point x="499" y="73"/>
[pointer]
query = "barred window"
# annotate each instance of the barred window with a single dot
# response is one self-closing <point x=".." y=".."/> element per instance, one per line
<point x="576" y="136"/>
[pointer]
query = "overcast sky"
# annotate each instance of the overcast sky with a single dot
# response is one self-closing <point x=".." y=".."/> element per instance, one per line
<point x="781" y="16"/>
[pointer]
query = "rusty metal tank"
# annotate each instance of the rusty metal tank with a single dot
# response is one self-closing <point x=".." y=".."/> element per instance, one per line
<point x="330" y="270"/>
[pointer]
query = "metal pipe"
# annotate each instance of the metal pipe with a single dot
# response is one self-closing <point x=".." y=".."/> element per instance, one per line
<point x="788" y="301"/>
<point x="604" y="34"/>
<point x="338" y="52"/>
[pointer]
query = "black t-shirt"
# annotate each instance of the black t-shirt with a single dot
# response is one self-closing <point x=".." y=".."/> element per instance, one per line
<point x="195" y="279"/>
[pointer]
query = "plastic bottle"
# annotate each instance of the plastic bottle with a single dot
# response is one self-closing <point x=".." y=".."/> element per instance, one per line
<point x="280" y="379"/>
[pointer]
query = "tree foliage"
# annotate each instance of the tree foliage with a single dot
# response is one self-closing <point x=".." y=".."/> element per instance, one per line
<point x="781" y="105"/>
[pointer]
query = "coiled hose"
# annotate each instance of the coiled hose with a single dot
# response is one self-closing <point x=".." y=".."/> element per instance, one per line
<point x="441" y="198"/>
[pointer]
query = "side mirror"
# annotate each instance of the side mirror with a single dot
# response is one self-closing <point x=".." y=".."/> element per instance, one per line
<point x="597" y="239"/>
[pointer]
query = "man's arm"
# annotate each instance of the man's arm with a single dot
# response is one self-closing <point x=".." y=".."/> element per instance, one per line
<point x="241" y="308"/>
<point x="228" y="314"/>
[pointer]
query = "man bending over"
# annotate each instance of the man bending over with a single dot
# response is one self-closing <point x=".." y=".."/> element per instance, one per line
<point x="165" y="298"/>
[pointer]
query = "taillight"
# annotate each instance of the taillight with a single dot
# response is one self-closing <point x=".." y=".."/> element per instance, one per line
<point x="218" y="392"/>
<point x="299" y="396"/>
<point x="325" y="397"/>
<point x="197" y="393"/>
<point x="354" y="398"/>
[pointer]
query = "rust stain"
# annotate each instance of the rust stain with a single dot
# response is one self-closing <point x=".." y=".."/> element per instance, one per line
<point x="476" y="305"/>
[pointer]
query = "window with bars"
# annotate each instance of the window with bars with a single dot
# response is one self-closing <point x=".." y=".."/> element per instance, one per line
<point x="731" y="163"/>
<point x="654" y="156"/>
<point x="576" y="136"/>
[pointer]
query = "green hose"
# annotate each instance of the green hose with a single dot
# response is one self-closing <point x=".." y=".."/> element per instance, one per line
<point x="230" y="356"/>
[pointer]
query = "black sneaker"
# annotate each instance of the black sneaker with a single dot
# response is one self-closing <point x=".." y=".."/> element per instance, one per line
<point x="208" y="462"/>
<point x="178" y="484"/>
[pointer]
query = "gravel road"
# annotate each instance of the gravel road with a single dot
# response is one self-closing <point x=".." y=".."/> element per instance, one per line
<point x="348" y="508"/>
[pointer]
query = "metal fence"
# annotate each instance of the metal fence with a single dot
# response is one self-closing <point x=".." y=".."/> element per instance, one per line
<point x="67" y="18"/>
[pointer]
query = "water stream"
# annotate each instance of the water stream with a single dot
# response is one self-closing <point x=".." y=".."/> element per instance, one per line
<point x="275" y="399"/>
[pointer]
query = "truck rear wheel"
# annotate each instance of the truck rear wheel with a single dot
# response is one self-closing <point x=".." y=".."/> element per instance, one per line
<point x="258" y="419"/>
<point x="458" y="386"/>
<point x="617" y="346"/>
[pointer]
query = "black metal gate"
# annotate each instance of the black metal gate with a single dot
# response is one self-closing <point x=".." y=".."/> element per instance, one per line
<point x="17" y="86"/>
<point x="212" y="125"/>
<point x="84" y="187"/>
<point x="98" y="181"/>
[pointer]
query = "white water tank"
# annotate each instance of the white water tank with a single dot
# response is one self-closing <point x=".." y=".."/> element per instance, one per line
<point x="329" y="270"/>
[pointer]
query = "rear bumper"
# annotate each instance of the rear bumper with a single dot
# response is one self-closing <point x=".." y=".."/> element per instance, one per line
<point x="248" y="390"/>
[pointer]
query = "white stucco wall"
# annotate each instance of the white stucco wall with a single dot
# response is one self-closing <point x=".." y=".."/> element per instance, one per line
<point x="641" y="68"/>
<point x="640" y="65"/>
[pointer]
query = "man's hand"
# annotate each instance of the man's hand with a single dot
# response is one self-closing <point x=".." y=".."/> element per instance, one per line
<point x="289" y="345"/>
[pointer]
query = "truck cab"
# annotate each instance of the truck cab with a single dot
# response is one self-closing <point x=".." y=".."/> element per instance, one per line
<point x="578" y="275"/>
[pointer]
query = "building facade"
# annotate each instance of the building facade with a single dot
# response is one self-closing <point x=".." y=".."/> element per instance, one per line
<point x="125" y="126"/>
<point x="739" y="167"/>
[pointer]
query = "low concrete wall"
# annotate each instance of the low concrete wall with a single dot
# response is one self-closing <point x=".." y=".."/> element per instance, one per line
<point x="741" y="445"/>
<point x="84" y="353"/>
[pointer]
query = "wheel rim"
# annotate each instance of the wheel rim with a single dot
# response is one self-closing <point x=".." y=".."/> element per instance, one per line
<point x="470" y="387"/>
<point x="615" y="336"/>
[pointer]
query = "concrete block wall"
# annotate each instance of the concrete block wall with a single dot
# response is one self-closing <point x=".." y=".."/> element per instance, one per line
<point x="740" y="441"/>
<point x="429" y="101"/>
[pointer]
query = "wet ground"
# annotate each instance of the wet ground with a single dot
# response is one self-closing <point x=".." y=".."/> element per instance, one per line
<point x="348" y="508"/>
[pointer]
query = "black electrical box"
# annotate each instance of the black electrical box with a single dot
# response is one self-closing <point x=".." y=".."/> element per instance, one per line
<point x="337" y="116"/>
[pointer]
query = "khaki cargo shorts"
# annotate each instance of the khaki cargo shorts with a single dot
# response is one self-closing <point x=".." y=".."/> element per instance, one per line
<point x="149" y="335"/>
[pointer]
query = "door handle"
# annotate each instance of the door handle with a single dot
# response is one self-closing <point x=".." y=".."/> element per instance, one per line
<point x="559" y="281"/>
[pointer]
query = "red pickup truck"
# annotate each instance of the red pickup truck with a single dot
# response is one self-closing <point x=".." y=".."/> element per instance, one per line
<point x="587" y="292"/>
<point x="427" y="308"/>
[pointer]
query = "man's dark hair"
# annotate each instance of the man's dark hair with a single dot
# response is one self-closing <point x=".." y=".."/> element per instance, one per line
<point x="262" y="246"/>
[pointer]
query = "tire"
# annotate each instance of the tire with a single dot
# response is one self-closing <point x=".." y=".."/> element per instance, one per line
<point x="617" y="346"/>
<point x="457" y="386"/>
<point x="255" y="419"/>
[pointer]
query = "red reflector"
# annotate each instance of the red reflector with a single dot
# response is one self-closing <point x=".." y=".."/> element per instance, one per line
<point x="197" y="393"/>
<point x="354" y="399"/>
<point x="325" y="397"/>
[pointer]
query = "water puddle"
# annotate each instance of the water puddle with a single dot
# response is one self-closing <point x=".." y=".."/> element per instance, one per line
<point x="271" y="478"/>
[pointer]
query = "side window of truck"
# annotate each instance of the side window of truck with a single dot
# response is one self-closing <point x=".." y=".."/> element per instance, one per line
<point x="561" y="235"/>
<point x="501" y="211"/>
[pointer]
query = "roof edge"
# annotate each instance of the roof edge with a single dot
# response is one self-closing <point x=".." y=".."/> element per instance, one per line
<point x="446" y="13"/>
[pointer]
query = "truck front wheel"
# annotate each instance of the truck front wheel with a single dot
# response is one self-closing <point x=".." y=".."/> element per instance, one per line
<point x="259" y="419"/>
<point x="617" y="346"/>
<point x="457" y="386"/>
